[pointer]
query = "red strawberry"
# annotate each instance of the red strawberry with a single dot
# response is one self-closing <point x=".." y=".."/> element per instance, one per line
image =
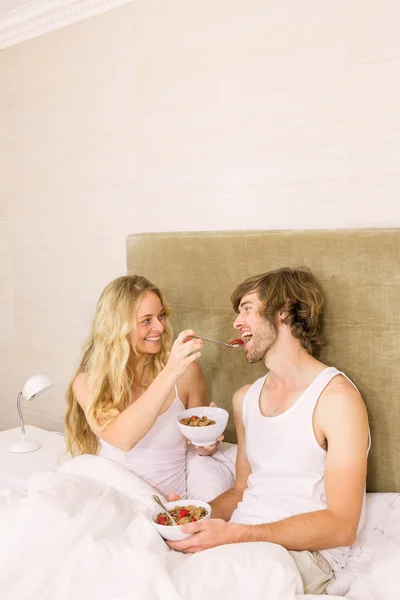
<point x="162" y="520"/>
<point x="194" y="519"/>
<point x="236" y="342"/>
<point x="193" y="418"/>
<point x="182" y="513"/>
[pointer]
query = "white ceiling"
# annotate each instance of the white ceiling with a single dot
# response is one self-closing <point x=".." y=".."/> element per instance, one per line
<point x="21" y="20"/>
<point x="9" y="5"/>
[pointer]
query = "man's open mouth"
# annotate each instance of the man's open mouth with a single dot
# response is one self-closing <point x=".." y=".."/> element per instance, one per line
<point x="246" y="337"/>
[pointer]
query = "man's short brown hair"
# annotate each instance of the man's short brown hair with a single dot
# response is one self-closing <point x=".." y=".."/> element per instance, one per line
<point x="295" y="292"/>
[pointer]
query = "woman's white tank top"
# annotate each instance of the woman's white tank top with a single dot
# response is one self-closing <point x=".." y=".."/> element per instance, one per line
<point x="287" y="463"/>
<point x="160" y="456"/>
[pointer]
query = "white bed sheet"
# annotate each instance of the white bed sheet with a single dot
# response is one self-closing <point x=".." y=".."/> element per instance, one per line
<point x="56" y="531"/>
<point x="373" y="568"/>
<point x="374" y="560"/>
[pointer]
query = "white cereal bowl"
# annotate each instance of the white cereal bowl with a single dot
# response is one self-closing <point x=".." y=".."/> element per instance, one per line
<point x="204" y="436"/>
<point x="173" y="533"/>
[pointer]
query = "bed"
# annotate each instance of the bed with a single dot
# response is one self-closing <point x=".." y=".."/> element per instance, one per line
<point x="83" y="531"/>
<point x="360" y="274"/>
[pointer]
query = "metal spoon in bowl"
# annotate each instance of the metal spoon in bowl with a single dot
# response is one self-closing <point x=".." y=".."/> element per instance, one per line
<point x="157" y="499"/>
<point x="235" y="345"/>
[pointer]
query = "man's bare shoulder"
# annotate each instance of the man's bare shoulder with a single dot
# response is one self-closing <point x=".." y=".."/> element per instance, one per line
<point x="341" y="400"/>
<point x="241" y="392"/>
<point x="238" y="397"/>
<point x="340" y="388"/>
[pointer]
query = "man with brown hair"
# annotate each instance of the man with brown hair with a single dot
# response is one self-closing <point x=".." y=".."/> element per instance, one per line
<point x="303" y="436"/>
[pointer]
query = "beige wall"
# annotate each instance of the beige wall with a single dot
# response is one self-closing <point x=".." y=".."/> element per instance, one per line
<point x="180" y="115"/>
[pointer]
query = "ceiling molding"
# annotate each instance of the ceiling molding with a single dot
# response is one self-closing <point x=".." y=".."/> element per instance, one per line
<point x="42" y="16"/>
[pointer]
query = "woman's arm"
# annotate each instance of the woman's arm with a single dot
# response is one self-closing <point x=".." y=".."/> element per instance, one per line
<point x="192" y="387"/>
<point x="132" y="424"/>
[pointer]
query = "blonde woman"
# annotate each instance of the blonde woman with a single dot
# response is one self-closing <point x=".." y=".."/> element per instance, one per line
<point x="130" y="385"/>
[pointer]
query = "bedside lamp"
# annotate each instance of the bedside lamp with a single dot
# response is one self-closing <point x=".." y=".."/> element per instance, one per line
<point x="35" y="386"/>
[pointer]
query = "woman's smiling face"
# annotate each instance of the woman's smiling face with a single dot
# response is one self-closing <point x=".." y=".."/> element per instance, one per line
<point x="150" y="324"/>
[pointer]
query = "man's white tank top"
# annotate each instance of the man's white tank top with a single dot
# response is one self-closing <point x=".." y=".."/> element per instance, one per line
<point x="160" y="456"/>
<point x="287" y="463"/>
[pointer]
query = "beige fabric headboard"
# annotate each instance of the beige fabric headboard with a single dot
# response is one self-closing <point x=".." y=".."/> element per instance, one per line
<point x="360" y="273"/>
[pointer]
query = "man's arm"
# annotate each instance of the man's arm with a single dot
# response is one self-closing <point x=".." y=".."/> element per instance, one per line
<point x="224" y="505"/>
<point x="343" y="420"/>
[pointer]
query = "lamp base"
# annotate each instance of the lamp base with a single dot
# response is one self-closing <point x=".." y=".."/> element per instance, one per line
<point x="24" y="447"/>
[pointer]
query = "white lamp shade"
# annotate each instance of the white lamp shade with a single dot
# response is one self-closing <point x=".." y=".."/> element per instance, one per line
<point x="36" y="385"/>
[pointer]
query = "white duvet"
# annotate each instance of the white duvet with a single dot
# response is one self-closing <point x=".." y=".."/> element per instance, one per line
<point x="373" y="569"/>
<point x="83" y="533"/>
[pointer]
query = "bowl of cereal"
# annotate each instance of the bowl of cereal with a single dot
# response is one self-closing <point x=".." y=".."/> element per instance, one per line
<point x="203" y="425"/>
<point x="183" y="511"/>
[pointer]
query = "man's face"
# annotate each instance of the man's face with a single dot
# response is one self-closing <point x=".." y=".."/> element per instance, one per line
<point x="257" y="333"/>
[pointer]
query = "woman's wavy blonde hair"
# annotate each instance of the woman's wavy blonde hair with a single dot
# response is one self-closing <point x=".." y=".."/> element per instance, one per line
<point x="107" y="360"/>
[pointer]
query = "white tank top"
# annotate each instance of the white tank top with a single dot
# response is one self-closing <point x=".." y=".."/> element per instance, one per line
<point x="287" y="463"/>
<point x="160" y="456"/>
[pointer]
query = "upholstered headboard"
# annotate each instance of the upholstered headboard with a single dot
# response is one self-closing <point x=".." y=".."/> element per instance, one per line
<point x="360" y="273"/>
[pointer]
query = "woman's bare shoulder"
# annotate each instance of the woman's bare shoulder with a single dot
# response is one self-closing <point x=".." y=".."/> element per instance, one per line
<point x="80" y="387"/>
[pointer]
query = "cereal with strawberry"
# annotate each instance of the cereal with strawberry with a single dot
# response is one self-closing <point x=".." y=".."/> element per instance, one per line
<point x="195" y="421"/>
<point x="182" y="515"/>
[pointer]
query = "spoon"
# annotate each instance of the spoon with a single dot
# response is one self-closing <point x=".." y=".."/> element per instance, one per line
<point x="157" y="499"/>
<point x="235" y="345"/>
